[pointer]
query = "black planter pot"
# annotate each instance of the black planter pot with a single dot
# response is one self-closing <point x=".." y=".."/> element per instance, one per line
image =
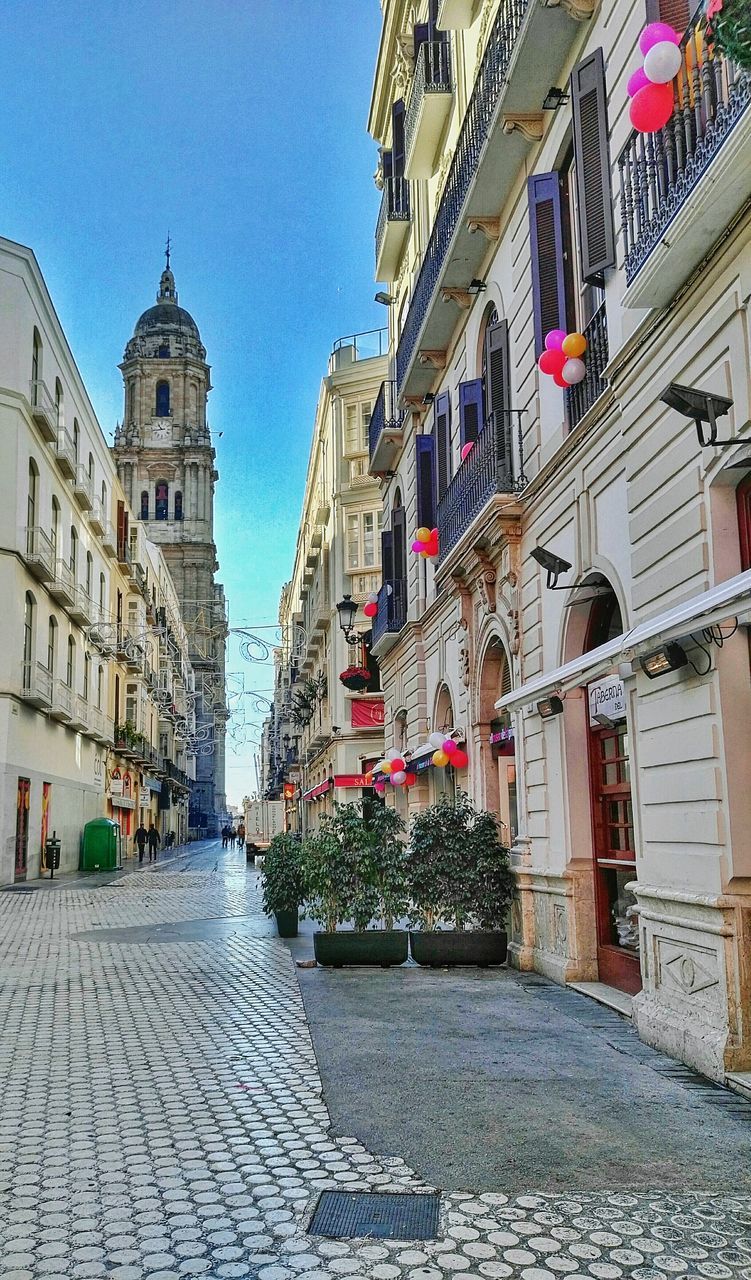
<point x="374" y="947"/>
<point x="446" y="947"/>
<point x="286" y="923"/>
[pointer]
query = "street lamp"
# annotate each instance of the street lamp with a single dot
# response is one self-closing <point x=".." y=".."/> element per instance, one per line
<point x="347" y="610"/>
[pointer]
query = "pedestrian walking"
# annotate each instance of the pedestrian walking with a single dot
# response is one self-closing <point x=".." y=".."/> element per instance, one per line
<point x="241" y="836"/>
<point x="153" y="839"/>
<point x="141" y="837"/>
<point x="169" y="840"/>
<point x="232" y="837"/>
<point x="225" y="836"/>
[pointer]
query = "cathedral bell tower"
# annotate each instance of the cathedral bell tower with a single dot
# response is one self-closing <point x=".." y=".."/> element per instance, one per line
<point x="165" y="461"/>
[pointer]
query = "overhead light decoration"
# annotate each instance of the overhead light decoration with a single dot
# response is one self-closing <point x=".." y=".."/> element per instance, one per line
<point x="670" y="657"/>
<point x="549" y="707"/>
<point x="702" y="407"/>
<point x="553" y="565"/>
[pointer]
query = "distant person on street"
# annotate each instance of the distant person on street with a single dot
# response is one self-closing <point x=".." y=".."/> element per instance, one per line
<point x="153" y="838"/>
<point x="232" y="837"/>
<point x="225" y="836"/>
<point x="241" y="836"/>
<point x="169" y="840"/>
<point x="142" y="836"/>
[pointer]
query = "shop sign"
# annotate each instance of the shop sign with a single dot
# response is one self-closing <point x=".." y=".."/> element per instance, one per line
<point x="607" y="701"/>
<point x="152" y="783"/>
<point x="122" y="802"/>
<point x="289" y="790"/>
<point x="353" y="780"/>
<point x="367" y="714"/>
<point x="116" y="786"/>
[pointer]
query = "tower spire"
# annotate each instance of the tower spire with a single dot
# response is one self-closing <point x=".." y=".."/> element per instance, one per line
<point x="167" y="291"/>
<point x="167" y="250"/>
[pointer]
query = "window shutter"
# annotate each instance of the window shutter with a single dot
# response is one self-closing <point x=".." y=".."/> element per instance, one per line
<point x="397" y="139"/>
<point x="546" y="245"/>
<point x="422" y="33"/>
<point x="677" y="13"/>
<point x="425" y="460"/>
<point x="443" y="443"/>
<point x="387" y="555"/>
<point x="592" y="162"/>
<point x="498" y="392"/>
<point x="743" y="500"/>
<point x="471" y="410"/>
<point x="387" y="163"/>
<point x="399" y="532"/>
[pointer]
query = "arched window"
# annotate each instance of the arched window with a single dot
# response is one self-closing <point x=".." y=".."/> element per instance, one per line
<point x="73" y="551"/>
<point x="51" y="645"/>
<point x="86" y="675"/>
<point x="102" y="594"/>
<point x="104" y="499"/>
<point x="162" y="400"/>
<point x="99" y="686"/>
<point x="178" y="505"/>
<point x="91" y="469"/>
<point x="444" y="780"/>
<point x="55" y="528"/>
<point x="76" y="437"/>
<point x="70" y="669"/>
<point x="36" y="365"/>
<point x="161" y="504"/>
<point x="28" y="640"/>
<point x="144" y="504"/>
<point x="33" y="494"/>
<point x="89" y="573"/>
<point x="59" y="403"/>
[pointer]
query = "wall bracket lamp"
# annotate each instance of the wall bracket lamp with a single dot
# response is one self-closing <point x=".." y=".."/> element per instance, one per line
<point x="385" y="299"/>
<point x="702" y="407"/>
<point x="553" y="565"/>
<point x="347" y="610"/>
<point x="554" y="98"/>
<point x="549" y="707"/>
<point x="670" y="657"/>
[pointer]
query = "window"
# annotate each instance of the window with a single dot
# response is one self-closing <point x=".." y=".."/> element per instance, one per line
<point x="357" y="421"/>
<point x="102" y="594"/>
<point x="104" y="499"/>
<point x="131" y="704"/>
<point x="70" y="669"/>
<point x="178" y="505"/>
<point x="59" y="406"/>
<point x="31" y="501"/>
<point x="91" y="470"/>
<point x="51" y="645"/>
<point x="361" y="540"/>
<point x="163" y="351"/>
<point x="99" y="686"/>
<point x="162" y="400"/>
<point x="743" y="500"/>
<point x="55" y="525"/>
<point x="89" y="574"/>
<point x="161" y="504"/>
<point x="76" y="437"/>
<point x="144" y="504"/>
<point x="36" y="364"/>
<point x="86" y="675"/>
<point x="28" y="639"/>
<point x="73" y="552"/>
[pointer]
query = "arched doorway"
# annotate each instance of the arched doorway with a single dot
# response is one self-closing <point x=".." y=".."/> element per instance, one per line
<point x="497" y="745"/>
<point x="443" y="781"/>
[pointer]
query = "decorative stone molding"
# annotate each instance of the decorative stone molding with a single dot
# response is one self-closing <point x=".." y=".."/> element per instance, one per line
<point x="461" y="297"/>
<point x="579" y="10"/>
<point x="490" y="227"/>
<point x="436" y="359"/>
<point x="486" y="581"/>
<point x="529" y="124"/>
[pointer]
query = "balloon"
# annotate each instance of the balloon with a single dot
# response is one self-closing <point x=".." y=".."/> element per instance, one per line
<point x="436" y="740"/>
<point x="410" y="779"/>
<point x="574" y="371"/>
<point x="663" y="62"/>
<point x="393" y="753"/>
<point x="386" y="767"/>
<point x="380" y="787"/>
<point x="467" y="449"/>
<point x="422" y="534"/>
<point x="552" y="361"/>
<point x="425" y="555"/>
<point x="368" y="779"/>
<point x="460" y="759"/>
<point x="636" y="81"/>
<point x="656" y="33"/>
<point x="574" y="345"/>
<point x="559" y="381"/>
<point x="651" y="108"/>
<point x="449" y="747"/>
<point x="397" y="765"/>
<point x="372" y="597"/>
<point x="370" y="610"/>
<point x="554" y="340"/>
<point x="399" y="778"/>
<point x="440" y="759"/>
<point x="417" y="547"/>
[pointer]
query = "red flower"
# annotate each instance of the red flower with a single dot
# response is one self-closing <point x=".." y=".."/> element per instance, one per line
<point x="713" y="7"/>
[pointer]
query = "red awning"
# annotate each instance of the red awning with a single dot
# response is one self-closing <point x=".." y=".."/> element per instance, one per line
<point x="320" y="790"/>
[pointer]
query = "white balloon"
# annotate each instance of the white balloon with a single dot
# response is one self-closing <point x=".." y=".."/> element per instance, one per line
<point x="663" y="62"/>
<point x="399" y="778"/>
<point x="573" y="371"/>
<point x="392" y="753"/>
<point x="373" y="597"/>
<point x="437" y="740"/>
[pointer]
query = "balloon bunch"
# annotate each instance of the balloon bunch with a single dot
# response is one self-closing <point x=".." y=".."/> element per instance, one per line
<point x="426" y="543"/>
<point x="650" y="87"/>
<point x="446" y="751"/>
<point x="370" y="608"/>
<point x="394" y="766"/>
<point x="562" y="357"/>
<point x="467" y="449"/>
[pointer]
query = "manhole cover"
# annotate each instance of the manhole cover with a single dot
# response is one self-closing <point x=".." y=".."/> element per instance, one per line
<point x="351" y="1214"/>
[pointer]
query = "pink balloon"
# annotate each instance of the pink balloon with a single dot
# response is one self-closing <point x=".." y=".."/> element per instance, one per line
<point x="651" y="108"/>
<point x="555" y="339"/>
<point x="450" y="747"/>
<point x="654" y="34"/>
<point x="467" y="449"/>
<point x="636" y="82"/>
<point x="399" y="778"/>
<point x="417" y="547"/>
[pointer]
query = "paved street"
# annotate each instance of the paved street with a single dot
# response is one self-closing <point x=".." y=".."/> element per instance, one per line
<point x="163" y="1113"/>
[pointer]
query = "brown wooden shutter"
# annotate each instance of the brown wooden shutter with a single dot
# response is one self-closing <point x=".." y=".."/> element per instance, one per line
<point x="592" y="163"/>
<point x="547" y="252"/>
<point x="442" y="435"/>
<point x="677" y="13"/>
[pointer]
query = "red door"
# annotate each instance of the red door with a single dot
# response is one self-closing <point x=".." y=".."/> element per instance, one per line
<point x="615" y="859"/>
<point x="23" y="800"/>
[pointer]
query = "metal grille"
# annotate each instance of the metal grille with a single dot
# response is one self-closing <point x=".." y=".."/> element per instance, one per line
<point x="488" y="469"/>
<point x="386" y="415"/>
<point x="582" y="395"/>
<point x="358" y="1214"/>
<point x="392" y="608"/>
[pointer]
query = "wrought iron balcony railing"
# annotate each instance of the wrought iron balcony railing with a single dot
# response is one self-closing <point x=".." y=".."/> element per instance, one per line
<point x="489" y="83"/>
<point x="432" y="75"/>
<point x="386" y="416"/>
<point x="658" y="171"/>
<point x="395" y="207"/>
<point x="582" y="396"/>
<point x="489" y="468"/>
<point x="392" y="608"/>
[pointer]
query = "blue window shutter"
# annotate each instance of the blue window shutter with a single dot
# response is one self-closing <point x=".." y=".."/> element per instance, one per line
<point x="387" y="161"/>
<point x="425" y="459"/>
<point x="589" y="100"/>
<point x="387" y="555"/>
<point x="547" y="249"/>
<point x="399" y="535"/>
<point x="397" y="139"/>
<point x="422" y="33"/>
<point x="442" y="433"/>
<point x="471" y="410"/>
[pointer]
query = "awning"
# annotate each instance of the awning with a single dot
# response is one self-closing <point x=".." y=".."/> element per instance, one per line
<point x="320" y="790"/>
<point x="706" y="610"/>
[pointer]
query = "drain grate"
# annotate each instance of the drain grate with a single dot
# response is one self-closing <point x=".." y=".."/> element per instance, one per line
<point x="18" y="888"/>
<point x="353" y="1214"/>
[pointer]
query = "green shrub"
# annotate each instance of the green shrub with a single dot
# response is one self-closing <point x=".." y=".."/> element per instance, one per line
<point x="458" y="867"/>
<point x="282" y="875"/>
<point x="354" y="867"/>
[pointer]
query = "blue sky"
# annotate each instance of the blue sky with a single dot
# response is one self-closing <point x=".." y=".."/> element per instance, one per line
<point x="240" y="126"/>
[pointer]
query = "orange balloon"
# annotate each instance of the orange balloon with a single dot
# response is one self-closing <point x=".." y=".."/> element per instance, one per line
<point x="573" y="345"/>
<point x="386" y="767"/>
<point x="440" y="759"/>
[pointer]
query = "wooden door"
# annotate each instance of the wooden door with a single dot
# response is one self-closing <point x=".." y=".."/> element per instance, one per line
<point x="614" y="858"/>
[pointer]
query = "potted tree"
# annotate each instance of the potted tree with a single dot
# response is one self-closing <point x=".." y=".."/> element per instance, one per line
<point x="282" y="883"/>
<point x="354" y="871"/>
<point x="459" y="875"/>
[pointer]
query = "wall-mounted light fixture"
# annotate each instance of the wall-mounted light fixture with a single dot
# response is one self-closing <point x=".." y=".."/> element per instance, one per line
<point x="670" y="657"/>
<point x="701" y="407"/>
<point x="428" y="398"/>
<point x="347" y="610"/>
<point x="553" y="565"/>
<point x="476" y="286"/>
<point x="385" y="299"/>
<point x="554" y="98"/>
<point x="549" y="707"/>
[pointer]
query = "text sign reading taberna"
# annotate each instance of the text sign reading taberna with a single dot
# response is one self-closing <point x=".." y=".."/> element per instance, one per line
<point x="607" y="698"/>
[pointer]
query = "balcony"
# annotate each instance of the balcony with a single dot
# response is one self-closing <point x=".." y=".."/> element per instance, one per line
<point x="97" y="518"/>
<point x="368" y="345"/>
<point x="83" y="488"/>
<point x="391" y="616"/>
<point x="385" y="431"/>
<point x="62" y="702"/>
<point x="43" y="410"/>
<point x="39" y="556"/>
<point x="109" y="540"/>
<point x="488" y="470"/>
<point x="693" y="176"/>
<point x="502" y="124"/>
<point x="65" y="452"/>
<point x="428" y="108"/>
<point x="456" y="15"/>
<point x="36" y="685"/>
<point x="123" y="555"/>
<point x="63" y="586"/>
<point x="581" y="397"/>
<point x="82" y="608"/>
<point x="391" y="229"/>
<point x="80" y="713"/>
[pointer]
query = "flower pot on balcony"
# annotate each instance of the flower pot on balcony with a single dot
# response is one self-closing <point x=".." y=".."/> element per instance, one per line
<point x="355" y="678"/>
<point x="286" y="923"/>
<point x="374" y="947"/>
<point x="444" y="948"/>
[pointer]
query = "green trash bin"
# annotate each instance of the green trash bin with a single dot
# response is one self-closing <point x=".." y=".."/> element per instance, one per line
<point x="99" y="845"/>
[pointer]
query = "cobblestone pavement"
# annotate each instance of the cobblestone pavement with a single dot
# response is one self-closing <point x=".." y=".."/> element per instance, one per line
<point x="162" y="1117"/>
